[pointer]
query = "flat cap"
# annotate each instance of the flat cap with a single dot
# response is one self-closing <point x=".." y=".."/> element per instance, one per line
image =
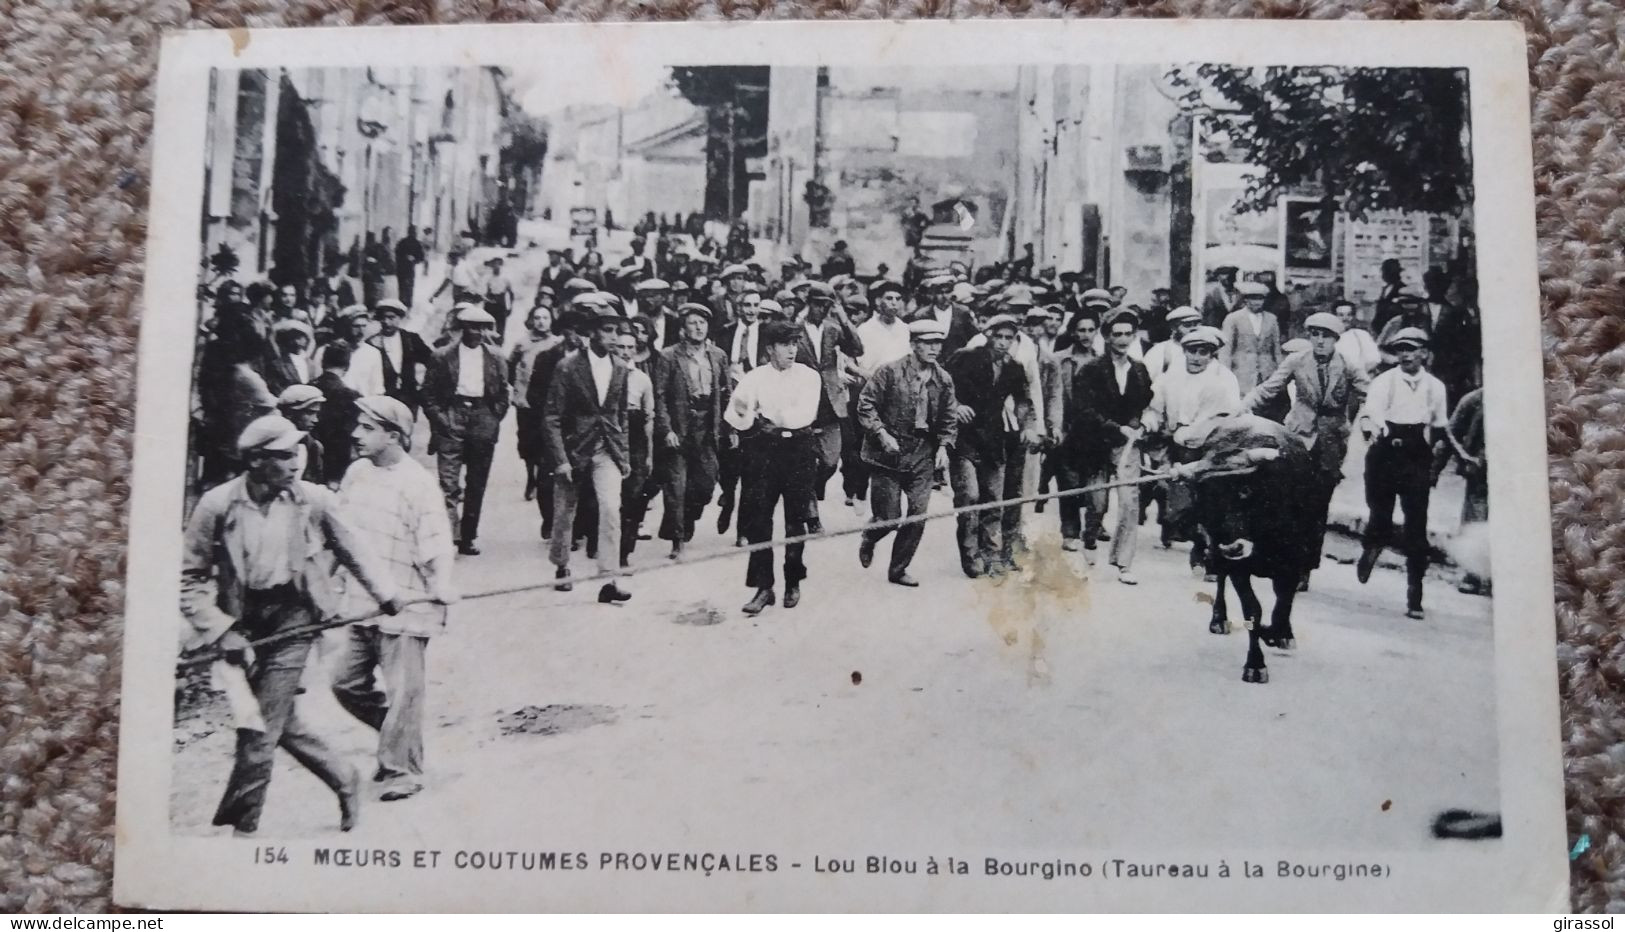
<point x="296" y="397"/>
<point x="964" y="292"/>
<point x="857" y="300"/>
<point x="473" y="314"/>
<point x="1001" y="320"/>
<point x="1299" y="345"/>
<point x="651" y="284"/>
<point x="735" y="270"/>
<point x="293" y="325"/>
<point x="1408" y="336"/>
<point x="591" y="299"/>
<point x="271" y="432"/>
<point x="927" y="328"/>
<point x="1324" y="321"/>
<point x="1017" y="296"/>
<point x="937" y="278"/>
<point x="1098" y="296"/>
<point x="353" y="312"/>
<point x="579" y="284"/>
<point x="1203" y="336"/>
<point x="606" y="312"/>
<point x="771" y="308"/>
<point x="1252" y="289"/>
<point x="390" y="306"/>
<point x="691" y="308"/>
<point x="776" y="332"/>
<point x="388" y="412"/>
<point x="1226" y="269"/>
<point x="1120" y="315"/>
<point x="882" y="287"/>
<point x="1181" y="314"/>
<point x="1036" y="313"/>
<point x="819" y="290"/>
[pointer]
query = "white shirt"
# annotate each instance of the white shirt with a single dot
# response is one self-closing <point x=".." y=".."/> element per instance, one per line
<point x="466" y="277"/>
<point x="815" y="336"/>
<point x="1180" y="399"/>
<point x="602" y="367"/>
<point x="1359" y="350"/>
<point x="301" y="365"/>
<point x="1164" y="358"/>
<point x="1397" y="398"/>
<point x="366" y="372"/>
<point x="743" y="354"/>
<point x="1134" y="349"/>
<point x="470" y="371"/>
<point x="882" y="343"/>
<point x="785" y="398"/>
<point x="1121" y="368"/>
<point x="393" y="348"/>
<point x="399" y="512"/>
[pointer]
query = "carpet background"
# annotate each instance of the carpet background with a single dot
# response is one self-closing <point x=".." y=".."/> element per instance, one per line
<point x="76" y="103"/>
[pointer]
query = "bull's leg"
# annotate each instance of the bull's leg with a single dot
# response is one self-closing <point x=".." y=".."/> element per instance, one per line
<point x="1220" y="622"/>
<point x="1254" y="671"/>
<point x="1280" y="635"/>
<point x="1252" y="612"/>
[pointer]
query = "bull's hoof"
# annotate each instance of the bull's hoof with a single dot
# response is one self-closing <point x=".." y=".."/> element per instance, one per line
<point x="1219" y="626"/>
<point x="1255" y="675"/>
<point x="1281" y="643"/>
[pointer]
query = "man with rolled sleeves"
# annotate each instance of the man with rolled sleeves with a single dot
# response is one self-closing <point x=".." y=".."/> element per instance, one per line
<point x="1326" y="396"/>
<point x="908" y="413"/>
<point x="827" y="333"/>
<point x="691" y="392"/>
<point x="256" y="563"/>
<point x="1252" y="346"/>
<point x="773" y="409"/>
<point x="465" y="397"/>
<point x="1181" y="398"/>
<point x="397" y="511"/>
<point x="1405" y="421"/>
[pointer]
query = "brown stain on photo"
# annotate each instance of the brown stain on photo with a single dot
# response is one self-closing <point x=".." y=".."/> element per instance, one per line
<point x="240" y="38"/>
<point x="1050" y="587"/>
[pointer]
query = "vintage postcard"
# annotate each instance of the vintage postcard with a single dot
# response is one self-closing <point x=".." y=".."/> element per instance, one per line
<point x="902" y="466"/>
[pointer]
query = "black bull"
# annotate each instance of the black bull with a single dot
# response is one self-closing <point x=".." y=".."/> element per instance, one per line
<point x="1254" y="505"/>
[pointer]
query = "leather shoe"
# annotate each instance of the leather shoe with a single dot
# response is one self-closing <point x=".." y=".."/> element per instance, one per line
<point x="1415" y="613"/>
<point x="1368" y="562"/>
<point x="350" y="802"/>
<point x="866" y="552"/>
<point x="401" y="789"/>
<point x="725" y="516"/>
<point x="613" y="593"/>
<point x="468" y="549"/>
<point x="904" y="579"/>
<point x="1071" y="545"/>
<point x="792" y="595"/>
<point x="563" y="572"/>
<point x="762" y="599"/>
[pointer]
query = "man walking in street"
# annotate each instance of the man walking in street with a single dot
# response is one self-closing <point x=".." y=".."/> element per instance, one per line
<point x="584" y="424"/>
<point x="1326" y="396"/>
<point x="985" y="378"/>
<point x="773" y="409"/>
<point x="465" y="396"/>
<point x="1252" y="345"/>
<point x="1109" y="398"/>
<point x="827" y="334"/>
<point x="691" y="392"/>
<point x="397" y="511"/>
<point x="408" y="256"/>
<point x="742" y="340"/>
<point x="955" y="320"/>
<point x="254" y="565"/>
<point x="404" y="355"/>
<point x="1405" y="421"/>
<point x="1221" y="296"/>
<point x="908" y="413"/>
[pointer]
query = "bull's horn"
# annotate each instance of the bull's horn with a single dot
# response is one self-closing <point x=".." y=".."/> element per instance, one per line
<point x="1262" y="455"/>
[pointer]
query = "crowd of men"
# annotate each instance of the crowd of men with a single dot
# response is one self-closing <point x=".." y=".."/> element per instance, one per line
<point x="704" y="384"/>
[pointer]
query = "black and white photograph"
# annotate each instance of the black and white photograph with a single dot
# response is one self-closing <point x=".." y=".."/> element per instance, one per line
<point x="886" y="481"/>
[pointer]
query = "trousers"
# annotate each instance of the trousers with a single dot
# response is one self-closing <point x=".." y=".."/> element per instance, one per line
<point x="690" y="480"/>
<point x="1398" y="466"/>
<point x="274" y="678"/>
<point x="776" y="469"/>
<point x="396" y="712"/>
<point x="980" y="532"/>
<point x="889" y="487"/>
<point x="1126" y="529"/>
<point x="464" y="467"/>
<point x="602" y="480"/>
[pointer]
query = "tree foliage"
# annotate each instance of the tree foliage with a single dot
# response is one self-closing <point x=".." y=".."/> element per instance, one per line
<point x="1373" y="138"/>
<point x="734" y="98"/>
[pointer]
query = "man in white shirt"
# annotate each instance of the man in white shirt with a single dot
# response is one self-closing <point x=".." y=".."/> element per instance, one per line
<point x="1405" y="421"/>
<point x="1180" y="399"/>
<point x="1169" y="355"/>
<point x="366" y="372"/>
<point x="884" y="336"/>
<point x="1357" y="347"/>
<point x="773" y="408"/>
<point x="465" y="396"/>
<point x="396" y="509"/>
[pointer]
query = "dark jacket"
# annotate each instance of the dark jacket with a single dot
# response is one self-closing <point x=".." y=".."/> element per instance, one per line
<point x="1099" y="411"/>
<point x="960" y="328"/>
<point x="836" y="336"/>
<point x="575" y="426"/>
<point x="672" y="409"/>
<point x="977" y="384"/>
<point x="725" y="341"/>
<point x="334" y="426"/>
<point x="440" y="397"/>
<point x="403" y="386"/>
<point x="889" y="403"/>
